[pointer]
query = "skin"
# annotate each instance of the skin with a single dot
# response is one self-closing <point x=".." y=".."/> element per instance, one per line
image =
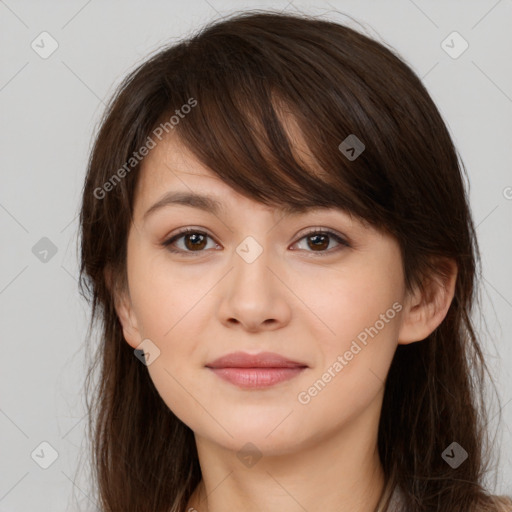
<point x="290" y="300"/>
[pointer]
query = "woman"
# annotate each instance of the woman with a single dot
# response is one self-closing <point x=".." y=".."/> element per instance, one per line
<point x="277" y="243"/>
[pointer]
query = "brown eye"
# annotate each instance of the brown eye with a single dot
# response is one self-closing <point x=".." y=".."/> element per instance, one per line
<point x="193" y="241"/>
<point x="319" y="241"/>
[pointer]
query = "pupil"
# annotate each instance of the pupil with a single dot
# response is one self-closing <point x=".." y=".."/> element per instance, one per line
<point x="316" y="237"/>
<point x="196" y="240"/>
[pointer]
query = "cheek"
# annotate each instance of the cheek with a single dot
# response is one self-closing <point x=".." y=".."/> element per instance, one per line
<point x="364" y="313"/>
<point x="351" y="303"/>
<point x="362" y="310"/>
<point x="170" y="313"/>
<point x="163" y="295"/>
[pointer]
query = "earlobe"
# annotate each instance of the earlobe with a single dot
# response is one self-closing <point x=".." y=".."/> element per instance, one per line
<point x="425" y="309"/>
<point x="128" y="322"/>
<point x="124" y="310"/>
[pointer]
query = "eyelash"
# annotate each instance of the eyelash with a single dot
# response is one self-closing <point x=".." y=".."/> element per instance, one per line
<point x="315" y="231"/>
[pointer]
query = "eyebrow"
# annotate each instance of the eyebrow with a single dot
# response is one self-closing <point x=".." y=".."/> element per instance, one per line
<point x="208" y="204"/>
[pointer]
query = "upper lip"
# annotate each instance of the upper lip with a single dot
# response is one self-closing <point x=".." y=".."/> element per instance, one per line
<point x="260" y="360"/>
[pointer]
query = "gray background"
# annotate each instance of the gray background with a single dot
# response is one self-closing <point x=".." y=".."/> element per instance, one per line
<point x="50" y="109"/>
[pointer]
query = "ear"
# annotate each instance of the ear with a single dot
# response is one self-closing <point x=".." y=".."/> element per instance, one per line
<point x="124" y="309"/>
<point x="424" y="311"/>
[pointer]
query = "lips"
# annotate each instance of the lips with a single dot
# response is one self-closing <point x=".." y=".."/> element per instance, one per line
<point x="252" y="371"/>
<point x="261" y="360"/>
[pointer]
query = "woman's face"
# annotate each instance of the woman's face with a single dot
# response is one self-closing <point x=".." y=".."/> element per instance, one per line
<point x="258" y="281"/>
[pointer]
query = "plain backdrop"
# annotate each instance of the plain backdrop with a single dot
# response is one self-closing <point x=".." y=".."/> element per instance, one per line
<point x="50" y="109"/>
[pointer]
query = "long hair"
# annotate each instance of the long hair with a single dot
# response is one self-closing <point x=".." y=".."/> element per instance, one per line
<point x="241" y="78"/>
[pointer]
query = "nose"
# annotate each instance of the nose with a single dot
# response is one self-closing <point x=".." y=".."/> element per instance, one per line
<point x="254" y="296"/>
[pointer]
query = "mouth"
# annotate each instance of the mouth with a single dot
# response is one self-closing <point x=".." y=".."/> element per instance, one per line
<point x="257" y="377"/>
<point x="256" y="371"/>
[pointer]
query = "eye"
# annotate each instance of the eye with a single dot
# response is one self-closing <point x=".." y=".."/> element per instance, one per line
<point x="195" y="241"/>
<point x="319" y="240"/>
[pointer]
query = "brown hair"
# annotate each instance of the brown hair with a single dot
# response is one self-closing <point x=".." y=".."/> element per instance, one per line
<point x="246" y="74"/>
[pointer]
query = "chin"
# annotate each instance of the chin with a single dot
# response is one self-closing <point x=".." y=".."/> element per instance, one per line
<point x="269" y="436"/>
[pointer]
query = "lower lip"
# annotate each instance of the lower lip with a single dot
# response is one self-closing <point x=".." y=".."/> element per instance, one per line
<point x="257" y="377"/>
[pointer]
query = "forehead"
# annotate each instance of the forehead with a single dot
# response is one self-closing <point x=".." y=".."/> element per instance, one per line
<point x="171" y="166"/>
<point x="171" y="163"/>
<point x="171" y="174"/>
